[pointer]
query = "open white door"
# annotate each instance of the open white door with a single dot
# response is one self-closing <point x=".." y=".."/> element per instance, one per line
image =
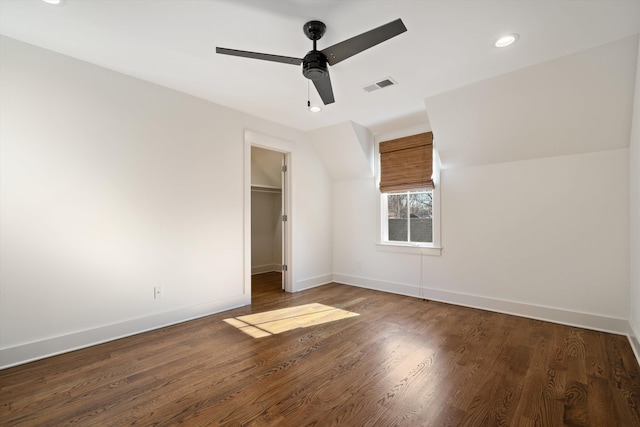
<point x="285" y="219"/>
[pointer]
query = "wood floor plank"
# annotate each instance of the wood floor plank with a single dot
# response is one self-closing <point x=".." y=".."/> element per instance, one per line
<point x="512" y="367"/>
<point x="401" y="361"/>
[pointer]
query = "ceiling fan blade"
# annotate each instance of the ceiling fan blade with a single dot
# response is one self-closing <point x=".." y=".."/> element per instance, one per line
<point x="263" y="56"/>
<point x="323" y="86"/>
<point x="346" y="49"/>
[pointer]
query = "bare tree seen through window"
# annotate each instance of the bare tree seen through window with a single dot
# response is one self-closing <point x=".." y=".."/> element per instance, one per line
<point x="413" y="204"/>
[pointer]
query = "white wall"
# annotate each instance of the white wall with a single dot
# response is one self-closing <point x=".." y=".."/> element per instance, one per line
<point x="534" y="196"/>
<point x="634" y="160"/>
<point x="311" y="214"/>
<point x="111" y="186"/>
<point x="550" y="232"/>
<point x="538" y="238"/>
<point x="106" y="184"/>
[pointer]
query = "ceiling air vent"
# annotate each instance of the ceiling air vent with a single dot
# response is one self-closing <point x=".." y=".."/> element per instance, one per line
<point x="388" y="81"/>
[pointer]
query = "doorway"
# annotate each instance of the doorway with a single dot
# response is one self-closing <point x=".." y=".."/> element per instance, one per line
<point x="267" y="214"/>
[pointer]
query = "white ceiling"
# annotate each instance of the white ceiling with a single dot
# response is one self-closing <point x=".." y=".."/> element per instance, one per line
<point x="449" y="44"/>
<point x="580" y="103"/>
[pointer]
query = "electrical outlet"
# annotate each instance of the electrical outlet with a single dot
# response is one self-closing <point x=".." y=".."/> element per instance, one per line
<point x="157" y="292"/>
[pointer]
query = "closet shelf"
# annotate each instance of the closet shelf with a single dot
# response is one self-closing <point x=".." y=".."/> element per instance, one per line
<point x="266" y="189"/>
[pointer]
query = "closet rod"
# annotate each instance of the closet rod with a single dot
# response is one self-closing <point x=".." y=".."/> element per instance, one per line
<point x="259" y="189"/>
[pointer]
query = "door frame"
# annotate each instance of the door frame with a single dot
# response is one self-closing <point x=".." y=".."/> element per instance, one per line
<point x="256" y="139"/>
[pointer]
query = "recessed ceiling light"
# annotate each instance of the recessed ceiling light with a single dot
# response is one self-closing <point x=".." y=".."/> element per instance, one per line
<point x="314" y="108"/>
<point x="53" y="2"/>
<point x="507" y="40"/>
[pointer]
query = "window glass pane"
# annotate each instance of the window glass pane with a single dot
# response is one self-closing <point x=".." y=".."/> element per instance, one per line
<point x="397" y="211"/>
<point x="397" y="205"/>
<point x="420" y="204"/>
<point x="420" y="214"/>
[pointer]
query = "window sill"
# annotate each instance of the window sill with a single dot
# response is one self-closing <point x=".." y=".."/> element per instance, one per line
<point x="409" y="248"/>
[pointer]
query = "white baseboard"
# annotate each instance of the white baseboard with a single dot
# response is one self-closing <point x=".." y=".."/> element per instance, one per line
<point x="17" y="355"/>
<point x="550" y="314"/>
<point x="266" y="268"/>
<point x="29" y="352"/>
<point x="634" y="337"/>
<point x="313" y="282"/>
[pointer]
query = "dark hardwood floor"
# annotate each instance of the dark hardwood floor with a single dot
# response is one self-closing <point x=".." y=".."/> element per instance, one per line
<point x="403" y="361"/>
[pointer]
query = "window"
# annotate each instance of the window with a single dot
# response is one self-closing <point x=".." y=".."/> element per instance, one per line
<point x="409" y="197"/>
<point x="409" y="216"/>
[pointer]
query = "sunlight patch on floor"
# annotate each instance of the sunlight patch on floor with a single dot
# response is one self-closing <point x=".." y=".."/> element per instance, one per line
<point x="273" y="322"/>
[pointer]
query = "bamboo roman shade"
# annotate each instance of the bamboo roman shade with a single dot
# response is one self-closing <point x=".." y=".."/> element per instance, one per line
<point x="406" y="163"/>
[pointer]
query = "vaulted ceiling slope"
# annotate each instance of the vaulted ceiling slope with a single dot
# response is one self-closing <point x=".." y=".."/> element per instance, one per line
<point x="346" y="150"/>
<point x="449" y="44"/>
<point x="576" y="104"/>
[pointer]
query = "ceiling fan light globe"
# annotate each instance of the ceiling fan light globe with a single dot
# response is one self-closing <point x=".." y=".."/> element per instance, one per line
<point x="507" y="40"/>
<point x="315" y="74"/>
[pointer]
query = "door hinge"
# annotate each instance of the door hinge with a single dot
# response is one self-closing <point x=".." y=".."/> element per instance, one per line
<point x="284" y="267"/>
<point x="284" y="218"/>
<point x="284" y="168"/>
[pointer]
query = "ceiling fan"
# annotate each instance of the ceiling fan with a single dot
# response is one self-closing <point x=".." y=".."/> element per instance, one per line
<point x="314" y="64"/>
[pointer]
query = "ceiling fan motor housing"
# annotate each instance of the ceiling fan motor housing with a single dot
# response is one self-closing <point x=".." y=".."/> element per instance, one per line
<point x="314" y="65"/>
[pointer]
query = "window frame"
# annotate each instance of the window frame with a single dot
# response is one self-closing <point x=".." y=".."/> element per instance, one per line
<point x="385" y="218"/>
